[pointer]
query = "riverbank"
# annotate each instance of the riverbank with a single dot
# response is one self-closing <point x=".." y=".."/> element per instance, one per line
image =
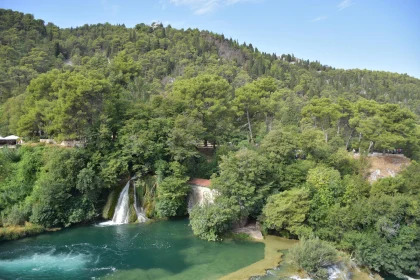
<point x="275" y="248"/>
<point x="273" y="252"/>
<point x="17" y="232"/>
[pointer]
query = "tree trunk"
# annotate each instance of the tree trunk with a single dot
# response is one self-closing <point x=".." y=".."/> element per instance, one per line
<point x="325" y="134"/>
<point x="205" y="142"/>
<point x="348" y="140"/>
<point x="249" y="127"/>
<point x="268" y="123"/>
<point x="338" y="128"/>
<point x="371" y="145"/>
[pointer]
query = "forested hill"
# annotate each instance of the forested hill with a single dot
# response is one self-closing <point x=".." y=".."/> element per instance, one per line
<point x="158" y="54"/>
<point x="144" y="101"/>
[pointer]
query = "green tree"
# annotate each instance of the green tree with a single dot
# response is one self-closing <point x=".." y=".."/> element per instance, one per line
<point x="321" y="113"/>
<point x="172" y="193"/>
<point x="184" y="138"/>
<point x="206" y="98"/>
<point x="212" y="221"/>
<point x="244" y="181"/>
<point x="280" y="146"/>
<point x="249" y="99"/>
<point x="313" y="256"/>
<point x="288" y="210"/>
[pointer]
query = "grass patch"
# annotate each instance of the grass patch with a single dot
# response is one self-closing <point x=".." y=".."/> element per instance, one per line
<point x="239" y="236"/>
<point x="16" y="232"/>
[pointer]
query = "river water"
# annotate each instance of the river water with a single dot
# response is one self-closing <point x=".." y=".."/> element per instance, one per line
<point x="157" y="250"/>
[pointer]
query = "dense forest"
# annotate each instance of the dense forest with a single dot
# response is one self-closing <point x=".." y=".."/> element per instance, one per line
<point x="144" y="100"/>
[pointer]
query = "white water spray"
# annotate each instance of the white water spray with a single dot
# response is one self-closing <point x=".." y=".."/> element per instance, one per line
<point x="200" y="195"/>
<point x="122" y="209"/>
<point x="141" y="216"/>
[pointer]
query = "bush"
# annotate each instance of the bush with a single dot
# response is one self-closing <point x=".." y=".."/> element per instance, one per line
<point x="15" y="216"/>
<point x="313" y="256"/>
<point x="287" y="210"/>
<point x="12" y="155"/>
<point x="211" y="221"/>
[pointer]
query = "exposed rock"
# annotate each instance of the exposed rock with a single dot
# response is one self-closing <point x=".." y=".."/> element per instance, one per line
<point x="385" y="165"/>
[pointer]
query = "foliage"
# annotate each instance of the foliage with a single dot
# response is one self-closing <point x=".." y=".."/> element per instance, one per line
<point x="313" y="256"/>
<point x="280" y="146"/>
<point x="172" y="193"/>
<point x="326" y="183"/>
<point x="288" y="210"/>
<point x="397" y="255"/>
<point x="51" y="187"/>
<point x="211" y="221"/>
<point x="244" y="181"/>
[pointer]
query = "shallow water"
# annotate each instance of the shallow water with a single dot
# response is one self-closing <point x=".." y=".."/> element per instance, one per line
<point x="160" y="250"/>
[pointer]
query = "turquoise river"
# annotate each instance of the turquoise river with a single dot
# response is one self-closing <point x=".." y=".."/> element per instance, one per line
<point x="157" y="250"/>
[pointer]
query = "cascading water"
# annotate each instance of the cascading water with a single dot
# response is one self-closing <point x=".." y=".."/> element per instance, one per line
<point x="122" y="209"/>
<point x="141" y="216"/>
<point x="200" y="195"/>
<point x="121" y="214"/>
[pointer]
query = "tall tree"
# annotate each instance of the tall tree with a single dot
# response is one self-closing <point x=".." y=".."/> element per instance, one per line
<point x="207" y="98"/>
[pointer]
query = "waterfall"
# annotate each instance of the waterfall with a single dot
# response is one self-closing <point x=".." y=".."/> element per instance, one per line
<point x="141" y="216"/>
<point x="122" y="209"/>
<point x="121" y="214"/>
<point x="200" y="195"/>
<point x="335" y="272"/>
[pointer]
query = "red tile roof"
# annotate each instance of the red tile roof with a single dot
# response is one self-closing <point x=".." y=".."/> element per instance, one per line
<point x="199" y="182"/>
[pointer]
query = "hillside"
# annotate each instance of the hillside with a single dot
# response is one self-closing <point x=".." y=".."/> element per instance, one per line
<point x="161" y="54"/>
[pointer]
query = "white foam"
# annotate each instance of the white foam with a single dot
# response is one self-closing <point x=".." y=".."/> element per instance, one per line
<point x="122" y="209"/>
<point x="45" y="262"/>
<point x="107" y="224"/>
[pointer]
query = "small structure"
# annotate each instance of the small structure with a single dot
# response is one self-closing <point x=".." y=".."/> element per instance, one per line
<point x="47" y="141"/>
<point x="11" y="140"/>
<point x="199" y="182"/>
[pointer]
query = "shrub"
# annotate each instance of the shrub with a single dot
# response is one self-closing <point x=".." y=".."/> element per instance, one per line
<point x="211" y="221"/>
<point x="15" y="216"/>
<point x="313" y="256"/>
<point x="287" y="210"/>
